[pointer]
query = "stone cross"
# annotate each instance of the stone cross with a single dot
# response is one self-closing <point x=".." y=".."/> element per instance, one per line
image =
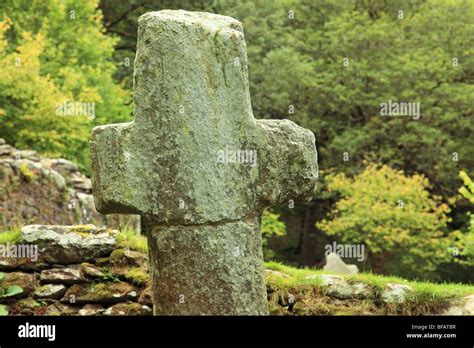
<point x="198" y="167"/>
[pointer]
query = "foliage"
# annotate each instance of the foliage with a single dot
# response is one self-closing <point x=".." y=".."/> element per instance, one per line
<point x="401" y="225"/>
<point x="130" y="238"/>
<point x="467" y="191"/>
<point x="109" y="276"/>
<point x="299" y="62"/>
<point x="467" y="239"/>
<point x="52" y="52"/>
<point x="304" y="285"/>
<point x="3" y="310"/>
<point x="11" y="235"/>
<point x="271" y="227"/>
<point x="8" y="291"/>
<point x="27" y="172"/>
<point x="137" y="275"/>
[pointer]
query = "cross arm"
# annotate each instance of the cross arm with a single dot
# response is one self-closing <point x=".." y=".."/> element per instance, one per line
<point x="288" y="162"/>
<point x="115" y="170"/>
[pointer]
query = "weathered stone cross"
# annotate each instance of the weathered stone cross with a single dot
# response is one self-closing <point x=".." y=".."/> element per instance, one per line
<point x="198" y="167"/>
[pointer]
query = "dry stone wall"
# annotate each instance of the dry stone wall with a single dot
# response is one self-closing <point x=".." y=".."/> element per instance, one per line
<point x="84" y="270"/>
<point x="75" y="270"/>
<point x="38" y="190"/>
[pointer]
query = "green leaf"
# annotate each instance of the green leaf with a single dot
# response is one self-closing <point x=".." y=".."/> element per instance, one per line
<point x="3" y="310"/>
<point x="13" y="290"/>
<point x="2" y="275"/>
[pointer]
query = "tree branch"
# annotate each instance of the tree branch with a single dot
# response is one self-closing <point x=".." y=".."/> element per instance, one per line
<point x="122" y="16"/>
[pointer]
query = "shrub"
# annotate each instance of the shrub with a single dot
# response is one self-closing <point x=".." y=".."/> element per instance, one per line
<point x="271" y="226"/>
<point x="403" y="227"/>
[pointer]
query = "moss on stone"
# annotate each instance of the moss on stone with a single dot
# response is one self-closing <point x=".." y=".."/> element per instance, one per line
<point x="101" y="293"/>
<point x="83" y="229"/>
<point x="129" y="308"/>
<point x="137" y="276"/>
<point x="29" y="303"/>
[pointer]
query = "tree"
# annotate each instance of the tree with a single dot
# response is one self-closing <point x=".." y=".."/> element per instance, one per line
<point x="467" y="238"/>
<point x="403" y="227"/>
<point x="296" y="52"/>
<point x="52" y="53"/>
<point x="271" y="226"/>
<point x="421" y="55"/>
<point x="403" y="50"/>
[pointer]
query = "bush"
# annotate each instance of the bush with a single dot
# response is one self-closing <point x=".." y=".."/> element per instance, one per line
<point x="467" y="238"/>
<point x="271" y="227"/>
<point x="403" y="227"/>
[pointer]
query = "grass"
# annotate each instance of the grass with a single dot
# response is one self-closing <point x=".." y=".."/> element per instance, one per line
<point x="297" y="278"/>
<point x="10" y="236"/>
<point x="427" y="297"/>
<point x="422" y="288"/>
<point x="130" y="238"/>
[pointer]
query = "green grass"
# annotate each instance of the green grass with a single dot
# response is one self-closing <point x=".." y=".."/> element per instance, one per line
<point x="427" y="298"/>
<point x="130" y="238"/>
<point x="422" y="288"/>
<point x="11" y="236"/>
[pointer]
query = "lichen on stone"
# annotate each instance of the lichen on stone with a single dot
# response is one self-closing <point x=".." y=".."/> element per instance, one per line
<point x="201" y="215"/>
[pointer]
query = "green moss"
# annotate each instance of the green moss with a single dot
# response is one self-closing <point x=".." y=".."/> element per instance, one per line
<point x="97" y="292"/>
<point x="108" y="276"/>
<point x="3" y="173"/>
<point x="29" y="303"/>
<point x="10" y="236"/>
<point x="312" y="301"/>
<point x="137" y="276"/>
<point x="84" y="230"/>
<point x="117" y="253"/>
